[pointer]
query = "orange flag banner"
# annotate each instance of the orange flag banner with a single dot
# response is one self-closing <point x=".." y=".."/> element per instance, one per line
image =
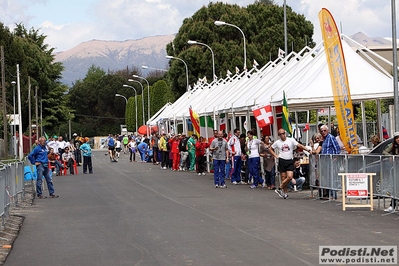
<point x="339" y="81"/>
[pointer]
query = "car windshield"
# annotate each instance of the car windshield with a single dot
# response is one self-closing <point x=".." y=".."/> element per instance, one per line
<point x="381" y="147"/>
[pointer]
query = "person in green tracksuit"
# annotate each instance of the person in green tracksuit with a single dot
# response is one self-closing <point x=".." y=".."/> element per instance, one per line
<point x="191" y="151"/>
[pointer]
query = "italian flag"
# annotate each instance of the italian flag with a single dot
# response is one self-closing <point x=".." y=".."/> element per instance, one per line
<point x="206" y="126"/>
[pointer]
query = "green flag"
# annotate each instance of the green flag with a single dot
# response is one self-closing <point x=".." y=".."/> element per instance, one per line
<point x="286" y="117"/>
<point x="206" y="127"/>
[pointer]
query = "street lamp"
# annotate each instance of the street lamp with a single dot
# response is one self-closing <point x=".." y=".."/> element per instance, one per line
<point x="119" y="95"/>
<point x="142" y="96"/>
<point x="148" y="94"/>
<point x="213" y="56"/>
<point x="135" y="99"/>
<point x="222" y="23"/>
<point x="158" y="69"/>
<point x="13" y="119"/>
<point x="172" y="57"/>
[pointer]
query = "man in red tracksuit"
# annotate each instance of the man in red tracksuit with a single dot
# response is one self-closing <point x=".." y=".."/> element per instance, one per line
<point x="175" y="152"/>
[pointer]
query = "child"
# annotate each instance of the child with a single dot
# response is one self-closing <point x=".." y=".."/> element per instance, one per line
<point x="86" y="149"/>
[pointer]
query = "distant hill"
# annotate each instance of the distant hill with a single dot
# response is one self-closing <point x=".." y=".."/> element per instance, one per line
<point x="113" y="55"/>
<point x="367" y="41"/>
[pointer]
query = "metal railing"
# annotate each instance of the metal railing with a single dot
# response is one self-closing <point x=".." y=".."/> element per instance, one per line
<point x="324" y="170"/>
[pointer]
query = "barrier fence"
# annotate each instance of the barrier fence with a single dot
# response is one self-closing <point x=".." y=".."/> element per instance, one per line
<point x="324" y="173"/>
<point x="12" y="187"/>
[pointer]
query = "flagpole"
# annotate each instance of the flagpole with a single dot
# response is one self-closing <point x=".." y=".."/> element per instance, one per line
<point x="395" y="65"/>
<point x="285" y="28"/>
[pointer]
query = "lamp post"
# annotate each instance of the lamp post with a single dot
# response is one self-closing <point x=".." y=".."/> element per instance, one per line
<point x="222" y="23"/>
<point x="13" y="119"/>
<point x="142" y="96"/>
<point x="148" y="94"/>
<point x="119" y="95"/>
<point x="158" y="69"/>
<point x="135" y="99"/>
<point x="172" y="57"/>
<point x="213" y="55"/>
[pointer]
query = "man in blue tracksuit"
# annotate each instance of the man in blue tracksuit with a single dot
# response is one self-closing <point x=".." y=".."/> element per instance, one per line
<point x="38" y="157"/>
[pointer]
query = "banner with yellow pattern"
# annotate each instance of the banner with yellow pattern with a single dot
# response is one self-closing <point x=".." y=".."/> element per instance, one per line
<point x="339" y="81"/>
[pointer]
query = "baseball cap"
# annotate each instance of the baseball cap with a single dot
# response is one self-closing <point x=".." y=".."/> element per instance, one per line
<point x="396" y="134"/>
<point x="74" y="135"/>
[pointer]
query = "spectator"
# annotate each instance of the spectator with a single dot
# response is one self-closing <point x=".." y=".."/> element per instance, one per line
<point x="154" y="145"/>
<point x="164" y="151"/>
<point x="220" y="151"/>
<point x="132" y="146"/>
<point x="254" y="160"/>
<point x="235" y="151"/>
<point x="200" y="148"/>
<point x="53" y="159"/>
<point x="330" y="146"/>
<point x="68" y="159"/>
<point x="299" y="176"/>
<point x="183" y="149"/>
<point x="86" y="149"/>
<point x="142" y="148"/>
<point x="268" y="163"/>
<point x="175" y="152"/>
<point x="375" y="140"/>
<point x="39" y="158"/>
<point x="191" y="143"/>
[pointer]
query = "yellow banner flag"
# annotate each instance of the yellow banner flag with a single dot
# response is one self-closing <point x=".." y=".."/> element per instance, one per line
<point x="339" y="81"/>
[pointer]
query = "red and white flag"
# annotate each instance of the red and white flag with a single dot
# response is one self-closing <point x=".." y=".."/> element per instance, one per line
<point x="263" y="115"/>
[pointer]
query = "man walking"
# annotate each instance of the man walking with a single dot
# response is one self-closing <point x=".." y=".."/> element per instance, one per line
<point x="39" y="158"/>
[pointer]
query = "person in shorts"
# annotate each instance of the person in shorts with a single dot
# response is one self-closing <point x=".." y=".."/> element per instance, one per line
<point x="285" y="147"/>
<point x="111" y="147"/>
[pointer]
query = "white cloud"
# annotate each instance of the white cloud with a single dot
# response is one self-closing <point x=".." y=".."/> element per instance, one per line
<point x="135" y="19"/>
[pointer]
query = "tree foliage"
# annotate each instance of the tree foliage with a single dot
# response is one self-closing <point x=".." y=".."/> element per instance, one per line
<point x="262" y="25"/>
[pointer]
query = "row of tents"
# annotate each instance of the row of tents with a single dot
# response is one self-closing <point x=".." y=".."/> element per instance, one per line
<point x="303" y="76"/>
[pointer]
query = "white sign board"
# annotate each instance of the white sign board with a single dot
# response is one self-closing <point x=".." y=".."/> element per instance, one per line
<point x="357" y="185"/>
<point x="13" y="122"/>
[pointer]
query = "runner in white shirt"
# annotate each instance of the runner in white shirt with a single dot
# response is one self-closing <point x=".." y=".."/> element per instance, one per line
<point x="254" y="160"/>
<point x="285" y="147"/>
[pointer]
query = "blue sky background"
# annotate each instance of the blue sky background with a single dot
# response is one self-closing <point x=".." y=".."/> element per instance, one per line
<point x="70" y="22"/>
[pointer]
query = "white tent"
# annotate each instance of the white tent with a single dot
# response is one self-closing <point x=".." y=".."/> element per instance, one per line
<point x="304" y="77"/>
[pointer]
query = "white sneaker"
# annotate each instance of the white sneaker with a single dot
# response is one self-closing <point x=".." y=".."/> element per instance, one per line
<point x="390" y="209"/>
<point x="234" y="183"/>
<point x="224" y="186"/>
<point x="295" y="189"/>
<point x="203" y="174"/>
<point x="199" y="173"/>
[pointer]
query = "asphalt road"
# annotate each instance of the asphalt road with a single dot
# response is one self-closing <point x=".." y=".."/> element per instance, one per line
<point x="138" y="214"/>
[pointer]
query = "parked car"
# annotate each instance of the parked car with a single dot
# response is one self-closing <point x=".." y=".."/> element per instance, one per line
<point x="382" y="166"/>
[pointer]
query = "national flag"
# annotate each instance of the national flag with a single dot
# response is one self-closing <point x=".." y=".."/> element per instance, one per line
<point x="286" y="117"/>
<point x="222" y="122"/>
<point x="206" y="126"/>
<point x="229" y="73"/>
<point x="263" y="115"/>
<point x="307" y="127"/>
<point x="237" y="70"/>
<point x="195" y="121"/>
<point x="45" y="135"/>
<point x="281" y="53"/>
<point x="215" y="77"/>
<point x="205" y="80"/>
<point x="255" y="64"/>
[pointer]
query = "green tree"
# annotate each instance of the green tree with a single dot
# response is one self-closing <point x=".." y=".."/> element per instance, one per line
<point x="262" y="25"/>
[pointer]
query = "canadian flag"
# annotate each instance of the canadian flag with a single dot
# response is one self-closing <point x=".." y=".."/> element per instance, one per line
<point x="263" y="115"/>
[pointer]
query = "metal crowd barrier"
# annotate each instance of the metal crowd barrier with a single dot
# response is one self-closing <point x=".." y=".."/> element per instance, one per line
<point x="324" y="170"/>
<point x="12" y="187"/>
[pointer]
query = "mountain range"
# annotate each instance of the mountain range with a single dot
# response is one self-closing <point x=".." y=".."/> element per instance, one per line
<point x="113" y="55"/>
<point x="149" y="51"/>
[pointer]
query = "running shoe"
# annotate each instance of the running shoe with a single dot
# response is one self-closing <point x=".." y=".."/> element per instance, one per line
<point x="279" y="192"/>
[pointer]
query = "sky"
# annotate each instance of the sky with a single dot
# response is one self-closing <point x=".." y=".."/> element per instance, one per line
<point x="67" y="23"/>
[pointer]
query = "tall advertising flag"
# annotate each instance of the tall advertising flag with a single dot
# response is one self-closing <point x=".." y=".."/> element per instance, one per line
<point x="286" y="117"/>
<point x="339" y="80"/>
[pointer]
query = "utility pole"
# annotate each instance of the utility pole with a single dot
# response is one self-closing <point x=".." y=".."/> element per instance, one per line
<point x="29" y="113"/>
<point x="3" y="89"/>
<point x="38" y="132"/>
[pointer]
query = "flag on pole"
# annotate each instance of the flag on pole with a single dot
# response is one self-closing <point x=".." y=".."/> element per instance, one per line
<point x="229" y="73"/>
<point x="205" y="80"/>
<point x="195" y="121"/>
<point x="222" y="122"/>
<point x="237" y="70"/>
<point x="45" y="135"/>
<point x="255" y="64"/>
<point x="215" y="77"/>
<point x="263" y="115"/>
<point x="206" y="124"/>
<point x="286" y="117"/>
<point x="281" y="53"/>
